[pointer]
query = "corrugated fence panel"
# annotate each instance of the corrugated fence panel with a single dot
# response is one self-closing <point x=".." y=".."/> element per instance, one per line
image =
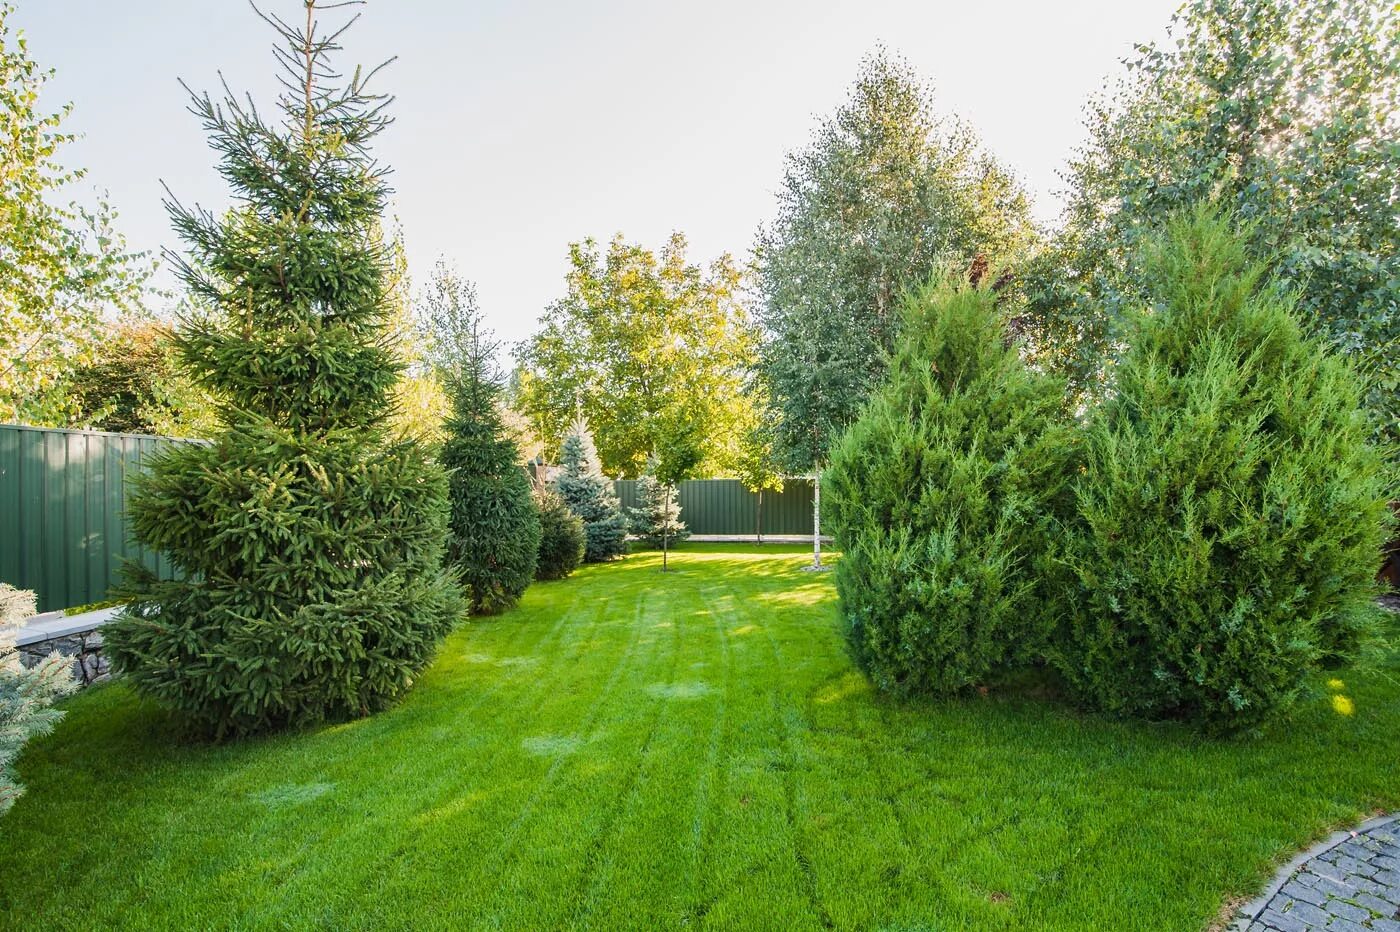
<point x="63" y="493"/>
<point x="63" y="529"/>
<point x="725" y="507"/>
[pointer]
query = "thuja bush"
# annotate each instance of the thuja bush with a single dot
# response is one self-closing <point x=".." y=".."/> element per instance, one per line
<point x="307" y="545"/>
<point x="562" y="538"/>
<point x="941" y="498"/>
<point x="589" y="494"/>
<point x="1230" y="510"/>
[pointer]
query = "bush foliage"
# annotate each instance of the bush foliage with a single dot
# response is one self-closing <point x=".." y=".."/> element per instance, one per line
<point x="1231" y="510"/>
<point x="306" y="545"/>
<point x="589" y="494"/>
<point x="940" y="496"/>
<point x="495" y="526"/>
<point x="562" y="537"/>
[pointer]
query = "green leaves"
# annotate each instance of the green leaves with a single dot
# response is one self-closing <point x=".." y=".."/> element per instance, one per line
<point x="885" y="194"/>
<point x="62" y="267"/>
<point x="1230" y="511"/>
<point x="648" y="348"/>
<point x="942" y="496"/>
<point x="1284" y="113"/>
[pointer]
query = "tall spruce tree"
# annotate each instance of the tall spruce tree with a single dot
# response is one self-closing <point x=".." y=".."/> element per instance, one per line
<point x="495" y="524"/>
<point x="1231" y="510"/>
<point x="589" y="494"/>
<point x="306" y="545"/>
<point x="942" y="496"/>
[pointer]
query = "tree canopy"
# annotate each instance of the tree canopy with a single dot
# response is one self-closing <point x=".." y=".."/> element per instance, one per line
<point x="1285" y="113"/>
<point x="646" y="348"/>
<point x="62" y="266"/>
<point x="885" y="192"/>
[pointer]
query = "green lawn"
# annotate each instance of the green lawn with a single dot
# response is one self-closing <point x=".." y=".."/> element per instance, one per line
<point x="628" y="750"/>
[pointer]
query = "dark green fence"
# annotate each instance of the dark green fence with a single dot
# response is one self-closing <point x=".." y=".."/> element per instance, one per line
<point x="63" y="529"/>
<point x="725" y="507"/>
<point x="62" y="511"/>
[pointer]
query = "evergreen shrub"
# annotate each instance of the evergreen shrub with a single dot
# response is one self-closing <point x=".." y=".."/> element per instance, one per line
<point x="306" y="544"/>
<point x="942" y="496"/>
<point x="589" y="494"/>
<point x="1231" y="508"/>
<point x="562" y="538"/>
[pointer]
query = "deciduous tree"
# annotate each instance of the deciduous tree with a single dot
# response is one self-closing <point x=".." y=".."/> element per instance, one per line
<point x="885" y="193"/>
<point x="62" y="266"/>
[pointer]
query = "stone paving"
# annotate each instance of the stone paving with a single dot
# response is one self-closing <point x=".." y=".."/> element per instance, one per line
<point x="1349" y="883"/>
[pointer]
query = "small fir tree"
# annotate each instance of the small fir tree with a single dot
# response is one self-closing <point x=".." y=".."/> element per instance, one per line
<point x="658" y="519"/>
<point x="306" y="545"/>
<point x="562" y="538"/>
<point x="495" y="526"/>
<point x="1231" y="509"/>
<point x="942" y="494"/>
<point x="26" y="694"/>
<point x="589" y="494"/>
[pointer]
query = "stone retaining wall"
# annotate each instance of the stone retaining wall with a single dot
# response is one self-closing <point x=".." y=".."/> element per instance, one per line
<point x="76" y="636"/>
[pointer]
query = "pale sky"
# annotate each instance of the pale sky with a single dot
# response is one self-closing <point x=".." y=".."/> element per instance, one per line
<point x="522" y="126"/>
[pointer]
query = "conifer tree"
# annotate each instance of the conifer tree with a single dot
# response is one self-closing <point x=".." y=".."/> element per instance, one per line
<point x="589" y="494"/>
<point x="562" y="539"/>
<point x="495" y="525"/>
<point x="306" y="544"/>
<point x="657" y="520"/>
<point x="26" y="693"/>
<point x="942" y="495"/>
<point x="1231" y="508"/>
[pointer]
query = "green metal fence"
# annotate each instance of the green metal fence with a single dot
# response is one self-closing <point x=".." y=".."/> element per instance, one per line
<point x="63" y="530"/>
<point x="725" y="507"/>
<point x="62" y="511"/>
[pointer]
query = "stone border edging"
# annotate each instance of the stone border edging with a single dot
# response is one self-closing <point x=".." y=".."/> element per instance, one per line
<point x="1255" y="907"/>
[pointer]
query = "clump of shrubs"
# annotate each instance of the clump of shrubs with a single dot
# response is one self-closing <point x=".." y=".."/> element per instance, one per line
<point x="562" y="538"/>
<point x="1195" y="547"/>
<point x="26" y="693"/>
<point x="942" y="498"/>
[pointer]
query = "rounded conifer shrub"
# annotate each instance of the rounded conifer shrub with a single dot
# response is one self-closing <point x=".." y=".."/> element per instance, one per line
<point x="305" y="545"/>
<point x="562" y="540"/>
<point x="1231" y="507"/>
<point x="940" y="497"/>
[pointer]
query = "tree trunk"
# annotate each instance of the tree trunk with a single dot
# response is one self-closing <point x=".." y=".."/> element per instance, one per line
<point x="758" y="526"/>
<point x="817" y="519"/>
<point x="665" y="525"/>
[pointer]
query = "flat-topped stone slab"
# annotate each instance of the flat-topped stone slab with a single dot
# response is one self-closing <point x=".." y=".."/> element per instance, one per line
<point x="51" y="626"/>
<point x="76" y="636"/>
<point x="1349" y="882"/>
